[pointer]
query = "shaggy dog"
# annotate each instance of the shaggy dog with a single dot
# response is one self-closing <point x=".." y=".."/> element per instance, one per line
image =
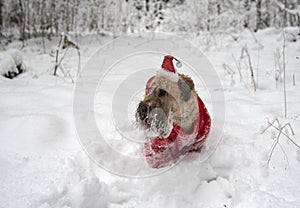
<point x="174" y="114"/>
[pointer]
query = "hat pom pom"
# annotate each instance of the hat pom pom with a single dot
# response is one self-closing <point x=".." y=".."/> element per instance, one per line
<point x="178" y="64"/>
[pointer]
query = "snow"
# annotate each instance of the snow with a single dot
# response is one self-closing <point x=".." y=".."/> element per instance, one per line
<point x="16" y="55"/>
<point x="9" y="60"/>
<point x="43" y="165"/>
<point x="7" y="64"/>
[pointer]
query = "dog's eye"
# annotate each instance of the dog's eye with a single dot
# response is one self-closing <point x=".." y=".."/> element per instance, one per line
<point x="161" y="93"/>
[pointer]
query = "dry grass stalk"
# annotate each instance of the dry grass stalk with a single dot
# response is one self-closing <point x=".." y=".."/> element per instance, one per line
<point x="280" y="129"/>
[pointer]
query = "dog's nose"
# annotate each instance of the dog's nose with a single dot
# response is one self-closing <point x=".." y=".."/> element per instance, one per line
<point x="143" y="109"/>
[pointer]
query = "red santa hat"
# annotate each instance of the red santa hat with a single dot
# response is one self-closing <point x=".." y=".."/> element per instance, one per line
<point x="167" y="68"/>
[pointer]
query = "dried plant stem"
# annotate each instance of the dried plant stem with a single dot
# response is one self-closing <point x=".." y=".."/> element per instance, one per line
<point x="238" y="66"/>
<point x="56" y="56"/>
<point x="228" y="69"/>
<point x="65" y="42"/>
<point x="285" y="155"/>
<point x="79" y="64"/>
<point x="278" y="66"/>
<point x="294" y="80"/>
<point x="67" y="73"/>
<point x="276" y="142"/>
<point x="271" y="124"/>
<point x="284" y="75"/>
<point x="62" y="58"/>
<point x="251" y="68"/>
<point x="289" y="138"/>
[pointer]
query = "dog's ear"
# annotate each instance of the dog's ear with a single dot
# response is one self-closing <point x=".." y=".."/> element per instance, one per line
<point x="186" y="85"/>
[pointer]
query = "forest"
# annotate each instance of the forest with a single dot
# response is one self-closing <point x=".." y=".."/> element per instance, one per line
<point x="24" y="19"/>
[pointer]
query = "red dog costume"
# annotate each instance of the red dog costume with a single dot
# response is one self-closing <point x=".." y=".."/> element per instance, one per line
<point x="160" y="151"/>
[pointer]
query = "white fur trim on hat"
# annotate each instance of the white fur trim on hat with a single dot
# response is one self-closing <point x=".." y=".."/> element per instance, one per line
<point x="169" y="75"/>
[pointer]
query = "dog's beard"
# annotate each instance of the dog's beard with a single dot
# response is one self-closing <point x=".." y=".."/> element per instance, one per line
<point x="157" y="123"/>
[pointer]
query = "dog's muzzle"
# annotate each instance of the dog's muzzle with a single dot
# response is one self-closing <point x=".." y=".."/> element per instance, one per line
<point x="152" y="117"/>
<point x="142" y="110"/>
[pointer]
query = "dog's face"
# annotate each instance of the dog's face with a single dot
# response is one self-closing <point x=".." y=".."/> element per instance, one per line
<point x="168" y="102"/>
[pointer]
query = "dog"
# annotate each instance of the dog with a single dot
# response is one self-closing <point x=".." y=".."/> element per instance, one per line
<point x="174" y="114"/>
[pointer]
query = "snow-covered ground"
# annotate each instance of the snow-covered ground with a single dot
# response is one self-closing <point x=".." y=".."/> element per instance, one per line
<point x="43" y="165"/>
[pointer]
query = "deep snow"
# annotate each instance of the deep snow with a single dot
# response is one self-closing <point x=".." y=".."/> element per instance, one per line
<point x="42" y="163"/>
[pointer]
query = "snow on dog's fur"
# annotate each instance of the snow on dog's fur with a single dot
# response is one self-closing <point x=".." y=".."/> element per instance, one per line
<point x="168" y="102"/>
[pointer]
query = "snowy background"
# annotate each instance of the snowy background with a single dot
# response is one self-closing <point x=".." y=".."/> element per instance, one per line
<point x="257" y="162"/>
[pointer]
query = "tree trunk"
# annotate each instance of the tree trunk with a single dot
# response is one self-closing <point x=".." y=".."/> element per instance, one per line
<point x="43" y="25"/>
<point x="27" y="17"/>
<point x="259" y="21"/>
<point x="22" y="23"/>
<point x="55" y="16"/>
<point x="1" y="20"/>
<point x="284" y="14"/>
<point x="267" y="21"/>
<point x="67" y="20"/>
<point x="247" y="9"/>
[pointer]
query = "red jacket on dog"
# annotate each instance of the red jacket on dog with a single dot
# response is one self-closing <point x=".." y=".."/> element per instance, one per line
<point x="160" y="151"/>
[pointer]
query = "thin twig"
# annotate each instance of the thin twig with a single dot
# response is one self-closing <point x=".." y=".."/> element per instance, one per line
<point x="79" y="64"/>
<point x="238" y="66"/>
<point x="289" y="125"/>
<point x="287" y="135"/>
<point x="257" y="66"/>
<point x="294" y="80"/>
<point x="285" y="155"/>
<point x="271" y="124"/>
<point x="284" y="73"/>
<point x="63" y="56"/>
<point x="278" y="66"/>
<point x="273" y="147"/>
<point x="228" y="69"/>
<point x="56" y="56"/>
<point x="276" y="142"/>
<point x="251" y="68"/>
<point x="66" y="73"/>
